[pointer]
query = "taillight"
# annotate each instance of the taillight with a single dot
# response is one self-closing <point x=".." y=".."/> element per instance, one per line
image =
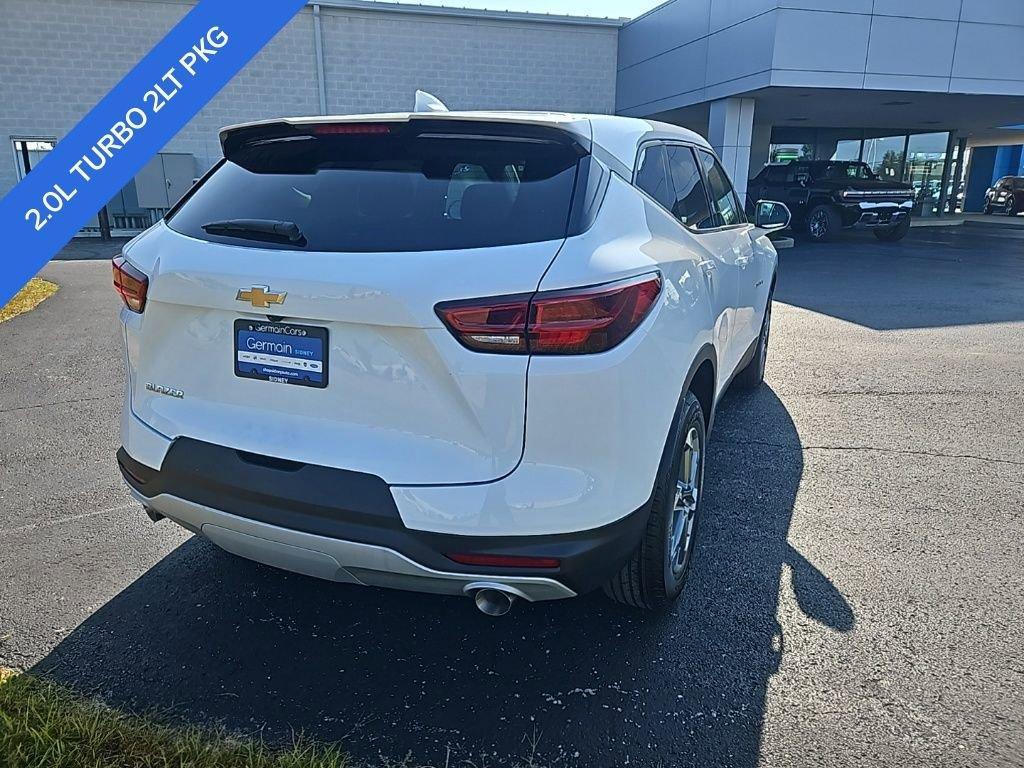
<point x="130" y="283"/>
<point x="505" y="561"/>
<point x="591" y="319"/>
<point x="572" y="322"/>
<point x="489" y="325"/>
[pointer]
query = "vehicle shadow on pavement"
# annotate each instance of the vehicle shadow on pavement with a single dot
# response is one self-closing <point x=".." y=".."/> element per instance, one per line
<point x="205" y="637"/>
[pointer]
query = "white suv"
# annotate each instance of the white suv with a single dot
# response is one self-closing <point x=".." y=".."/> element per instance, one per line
<point x="463" y="353"/>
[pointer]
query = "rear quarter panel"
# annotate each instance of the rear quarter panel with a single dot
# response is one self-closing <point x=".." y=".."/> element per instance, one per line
<point x="623" y="401"/>
<point x="596" y="425"/>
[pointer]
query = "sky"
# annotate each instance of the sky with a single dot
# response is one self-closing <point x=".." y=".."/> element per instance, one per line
<point x="610" y="8"/>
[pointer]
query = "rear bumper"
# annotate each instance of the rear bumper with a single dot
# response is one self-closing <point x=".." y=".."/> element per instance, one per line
<point x="335" y="559"/>
<point x="344" y="526"/>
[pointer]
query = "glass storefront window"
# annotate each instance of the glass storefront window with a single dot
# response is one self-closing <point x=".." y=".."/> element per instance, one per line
<point x="847" y="150"/>
<point x="814" y="144"/>
<point x="960" y="185"/>
<point x="885" y="156"/>
<point x="783" y="153"/>
<point x="926" y="162"/>
<point x="837" y="144"/>
<point x="918" y="159"/>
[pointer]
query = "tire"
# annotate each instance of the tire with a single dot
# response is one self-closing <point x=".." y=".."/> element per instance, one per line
<point x="893" y="234"/>
<point x="752" y="375"/>
<point x="655" y="574"/>
<point x="987" y="210"/>
<point x="1011" y="206"/>
<point x="824" y="224"/>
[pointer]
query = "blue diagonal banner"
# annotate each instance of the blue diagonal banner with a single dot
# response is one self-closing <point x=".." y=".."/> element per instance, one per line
<point x="128" y="127"/>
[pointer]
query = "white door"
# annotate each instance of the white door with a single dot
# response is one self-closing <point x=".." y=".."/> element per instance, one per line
<point x="734" y="254"/>
<point x="691" y="205"/>
<point x="672" y="175"/>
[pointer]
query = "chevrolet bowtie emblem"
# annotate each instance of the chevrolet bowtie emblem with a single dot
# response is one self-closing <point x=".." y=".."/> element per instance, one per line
<point x="261" y="296"/>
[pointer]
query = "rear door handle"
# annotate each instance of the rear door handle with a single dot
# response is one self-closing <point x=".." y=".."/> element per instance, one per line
<point x="708" y="265"/>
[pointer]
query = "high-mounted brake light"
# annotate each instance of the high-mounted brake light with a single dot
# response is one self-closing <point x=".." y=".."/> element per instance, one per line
<point x="322" y="129"/>
<point x="130" y="283"/>
<point x="577" y="321"/>
<point x="505" y="561"/>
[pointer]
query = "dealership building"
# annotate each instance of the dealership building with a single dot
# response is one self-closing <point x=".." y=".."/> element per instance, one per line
<point x="927" y="91"/>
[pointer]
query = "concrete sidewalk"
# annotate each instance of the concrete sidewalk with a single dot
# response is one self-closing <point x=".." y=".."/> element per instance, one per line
<point x="971" y="219"/>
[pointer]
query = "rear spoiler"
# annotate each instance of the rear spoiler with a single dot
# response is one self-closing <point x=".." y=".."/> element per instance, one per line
<point x="234" y="138"/>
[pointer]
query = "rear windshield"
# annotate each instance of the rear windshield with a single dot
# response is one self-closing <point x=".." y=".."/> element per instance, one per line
<point x="405" y="187"/>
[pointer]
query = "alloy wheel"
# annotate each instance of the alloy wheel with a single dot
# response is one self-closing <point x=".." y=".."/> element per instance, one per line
<point x="684" y="507"/>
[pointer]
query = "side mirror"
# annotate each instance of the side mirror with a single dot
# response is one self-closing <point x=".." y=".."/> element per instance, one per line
<point x="771" y="215"/>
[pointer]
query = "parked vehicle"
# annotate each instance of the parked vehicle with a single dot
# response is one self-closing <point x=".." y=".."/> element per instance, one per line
<point x="461" y="353"/>
<point x="1005" y="196"/>
<point x="826" y="197"/>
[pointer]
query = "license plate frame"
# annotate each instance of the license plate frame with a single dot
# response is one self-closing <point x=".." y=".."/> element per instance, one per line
<point x="282" y="353"/>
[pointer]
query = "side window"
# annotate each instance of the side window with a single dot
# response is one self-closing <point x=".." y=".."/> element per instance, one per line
<point x="1018" y="183"/>
<point x="690" y="203"/>
<point x="652" y="176"/>
<point x="724" y="201"/>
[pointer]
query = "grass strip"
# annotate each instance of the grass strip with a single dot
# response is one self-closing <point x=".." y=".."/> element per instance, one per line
<point x="44" y="725"/>
<point x="28" y="298"/>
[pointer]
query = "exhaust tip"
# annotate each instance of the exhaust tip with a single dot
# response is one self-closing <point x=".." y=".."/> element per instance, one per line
<point x="493" y="602"/>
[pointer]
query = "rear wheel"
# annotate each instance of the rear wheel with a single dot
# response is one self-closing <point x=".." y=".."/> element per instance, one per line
<point x="892" y="234"/>
<point x="752" y="374"/>
<point x="656" y="572"/>
<point x="824" y="223"/>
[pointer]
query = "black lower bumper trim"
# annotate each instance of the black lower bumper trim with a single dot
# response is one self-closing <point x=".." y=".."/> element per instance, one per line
<point x="356" y="506"/>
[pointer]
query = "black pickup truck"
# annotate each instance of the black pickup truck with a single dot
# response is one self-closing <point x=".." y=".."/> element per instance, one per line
<point x="826" y="196"/>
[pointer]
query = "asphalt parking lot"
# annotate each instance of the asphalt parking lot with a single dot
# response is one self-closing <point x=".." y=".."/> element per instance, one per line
<point x="857" y="599"/>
